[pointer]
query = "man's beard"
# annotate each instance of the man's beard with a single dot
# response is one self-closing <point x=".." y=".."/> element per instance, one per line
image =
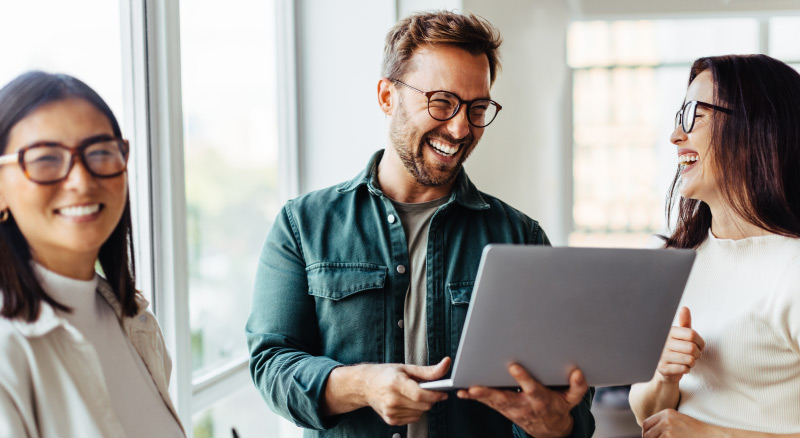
<point x="403" y="138"/>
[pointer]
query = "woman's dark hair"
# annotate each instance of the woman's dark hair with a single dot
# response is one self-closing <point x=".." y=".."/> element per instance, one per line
<point x="754" y="151"/>
<point x="22" y="293"/>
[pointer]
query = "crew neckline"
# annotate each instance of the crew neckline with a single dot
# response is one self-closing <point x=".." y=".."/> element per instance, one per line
<point x="746" y="240"/>
<point x="71" y="292"/>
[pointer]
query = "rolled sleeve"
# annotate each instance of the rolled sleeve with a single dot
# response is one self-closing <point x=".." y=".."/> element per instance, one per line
<point x="282" y="332"/>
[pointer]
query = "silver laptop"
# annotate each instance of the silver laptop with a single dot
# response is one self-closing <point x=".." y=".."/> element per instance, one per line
<point x="605" y="311"/>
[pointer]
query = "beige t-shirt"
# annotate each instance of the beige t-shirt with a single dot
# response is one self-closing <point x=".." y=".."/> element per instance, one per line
<point x="416" y="219"/>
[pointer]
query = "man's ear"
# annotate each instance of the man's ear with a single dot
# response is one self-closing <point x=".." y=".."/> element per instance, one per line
<point x="386" y="96"/>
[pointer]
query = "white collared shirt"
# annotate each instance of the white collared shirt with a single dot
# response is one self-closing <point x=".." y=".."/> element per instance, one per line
<point x="51" y="377"/>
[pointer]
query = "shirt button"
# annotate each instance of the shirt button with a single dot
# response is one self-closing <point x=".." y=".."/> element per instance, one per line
<point x="400" y="323"/>
<point x="397" y="435"/>
<point x="401" y="269"/>
<point x="391" y="218"/>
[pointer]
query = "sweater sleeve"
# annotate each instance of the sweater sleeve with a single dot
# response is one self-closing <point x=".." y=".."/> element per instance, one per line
<point x="11" y="424"/>
<point x="282" y="333"/>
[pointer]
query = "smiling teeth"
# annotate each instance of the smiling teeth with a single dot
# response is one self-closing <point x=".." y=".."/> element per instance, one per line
<point x="443" y="148"/>
<point x="687" y="160"/>
<point x="82" y="210"/>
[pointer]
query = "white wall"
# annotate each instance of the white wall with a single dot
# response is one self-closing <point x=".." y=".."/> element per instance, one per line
<point x="525" y="153"/>
<point x="340" y="45"/>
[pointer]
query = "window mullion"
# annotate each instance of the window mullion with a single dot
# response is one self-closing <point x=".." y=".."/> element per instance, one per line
<point x="159" y="24"/>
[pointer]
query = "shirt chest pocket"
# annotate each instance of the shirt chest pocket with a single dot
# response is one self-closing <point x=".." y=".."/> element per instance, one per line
<point x="350" y="309"/>
<point x="460" y="294"/>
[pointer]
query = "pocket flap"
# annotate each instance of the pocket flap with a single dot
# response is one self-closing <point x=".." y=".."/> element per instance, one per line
<point x="339" y="280"/>
<point x="460" y="291"/>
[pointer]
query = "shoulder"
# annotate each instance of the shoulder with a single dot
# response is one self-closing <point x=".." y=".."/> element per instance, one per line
<point x="15" y="352"/>
<point x="323" y="199"/>
<point x="497" y="206"/>
<point x="502" y="214"/>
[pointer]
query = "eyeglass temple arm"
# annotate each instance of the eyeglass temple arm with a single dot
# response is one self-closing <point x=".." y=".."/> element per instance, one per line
<point x="9" y="158"/>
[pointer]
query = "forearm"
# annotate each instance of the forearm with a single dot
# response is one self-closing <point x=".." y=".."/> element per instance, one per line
<point x="654" y="396"/>
<point x="344" y="391"/>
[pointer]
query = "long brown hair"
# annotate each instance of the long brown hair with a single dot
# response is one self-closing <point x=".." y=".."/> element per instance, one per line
<point x="468" y="32"/>
<point x="22" y="293"/>
<point x="754" y="151"/>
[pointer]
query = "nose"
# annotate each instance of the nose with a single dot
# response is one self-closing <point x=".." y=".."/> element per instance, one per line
<point x="678" y="136"/>
<point x="459" y="126"/>
<point x="79" y="178"/>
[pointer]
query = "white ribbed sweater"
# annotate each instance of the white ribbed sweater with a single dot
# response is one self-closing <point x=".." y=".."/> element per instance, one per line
<point x="744" y="296"/>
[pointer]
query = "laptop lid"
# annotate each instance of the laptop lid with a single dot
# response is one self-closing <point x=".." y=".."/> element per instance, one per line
<point x="605" y="311"/>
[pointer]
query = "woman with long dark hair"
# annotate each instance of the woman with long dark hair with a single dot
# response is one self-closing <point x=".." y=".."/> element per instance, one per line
<point x="80" y="355"/>
<point x="731" y="366"/>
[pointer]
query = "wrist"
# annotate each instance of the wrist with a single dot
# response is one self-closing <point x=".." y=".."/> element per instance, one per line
<point x="568" y="428"/>
<point x="344" y="390"/>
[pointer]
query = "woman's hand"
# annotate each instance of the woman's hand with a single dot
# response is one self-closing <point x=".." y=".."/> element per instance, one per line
<point x="670" y="423"/>
<point x="682" y="350"/>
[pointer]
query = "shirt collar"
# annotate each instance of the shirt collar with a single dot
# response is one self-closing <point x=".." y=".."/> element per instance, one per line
<point x="464" y="191"/>
<point x="49" y="320"/>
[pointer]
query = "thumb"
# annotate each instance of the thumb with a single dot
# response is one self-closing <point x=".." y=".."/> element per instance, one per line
<point x="577" y="388"/>
<point x="430" y="372"/>
<point x="684" y="317"/>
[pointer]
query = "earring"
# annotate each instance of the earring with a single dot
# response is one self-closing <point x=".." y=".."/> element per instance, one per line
<point x="4" y="215"/>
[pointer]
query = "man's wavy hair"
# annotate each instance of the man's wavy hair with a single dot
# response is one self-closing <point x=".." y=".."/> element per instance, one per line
<point x="22" y="294"/>
<point x="754" y="151"/>
<point x="469" y="32"/>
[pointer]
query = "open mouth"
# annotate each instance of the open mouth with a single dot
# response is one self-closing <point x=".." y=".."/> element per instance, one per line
<point x="443" y="148"/>
<point x="686" y="161"/>
<point x="78" y="211"/>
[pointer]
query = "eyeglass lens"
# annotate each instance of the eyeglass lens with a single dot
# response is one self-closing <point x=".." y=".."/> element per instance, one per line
<point x="48" y="163"/>
<point x="685" y="116"/>
<point x="443" y="106"/>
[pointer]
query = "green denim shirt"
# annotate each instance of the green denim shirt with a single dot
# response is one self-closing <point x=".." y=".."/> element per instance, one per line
<point x="330" y="290"/>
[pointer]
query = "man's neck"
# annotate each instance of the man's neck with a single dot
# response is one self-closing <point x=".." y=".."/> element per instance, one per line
<point x="399" y="185"/>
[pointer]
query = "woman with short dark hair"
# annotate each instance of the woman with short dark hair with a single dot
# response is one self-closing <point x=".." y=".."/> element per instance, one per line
<point x="731" y="366"/>
<point x="79" y="353"/>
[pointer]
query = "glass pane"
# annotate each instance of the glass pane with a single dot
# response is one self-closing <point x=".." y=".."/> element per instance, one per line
<point x="622" y="159"/>
<point x="81" y="39"/>
<point x="230" y="154"/>
<point x="784" y="33"/>
<point x="244" y="411"/>
<point x="652" y="42"/>
<point x="632" y="78"/>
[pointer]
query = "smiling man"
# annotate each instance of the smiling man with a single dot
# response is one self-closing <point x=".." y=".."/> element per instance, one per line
<point x="362" y="289"/>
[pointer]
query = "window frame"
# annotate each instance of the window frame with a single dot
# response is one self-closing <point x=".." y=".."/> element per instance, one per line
<point x="154" y="120"/>
<point x="568" y="182"/>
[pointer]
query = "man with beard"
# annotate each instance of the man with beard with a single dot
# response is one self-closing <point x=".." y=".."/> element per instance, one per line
<point x="362" y="289"/>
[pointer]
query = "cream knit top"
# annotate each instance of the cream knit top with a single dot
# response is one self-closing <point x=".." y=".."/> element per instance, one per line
<point x="744" y="297"/>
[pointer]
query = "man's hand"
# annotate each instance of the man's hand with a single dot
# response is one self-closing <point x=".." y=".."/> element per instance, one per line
<point x="684" y="346"/>
<point x="535" y="408"/>
<point x="392" y="390"/>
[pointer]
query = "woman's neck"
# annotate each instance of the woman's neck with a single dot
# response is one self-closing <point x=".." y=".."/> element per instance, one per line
<point x="726" y="224"/>
<point x="78" y="268"/>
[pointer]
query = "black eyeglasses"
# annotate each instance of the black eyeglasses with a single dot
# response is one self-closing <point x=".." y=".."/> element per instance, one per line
<point x="444" y="105"/>
<point x="686" y="115"/>
<point x="48" y="162"/>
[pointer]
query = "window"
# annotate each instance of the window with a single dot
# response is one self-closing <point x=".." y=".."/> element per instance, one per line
<point x="629" y="78"/>
<point x="230" y="150"/>
<point x="204" y="191"/>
